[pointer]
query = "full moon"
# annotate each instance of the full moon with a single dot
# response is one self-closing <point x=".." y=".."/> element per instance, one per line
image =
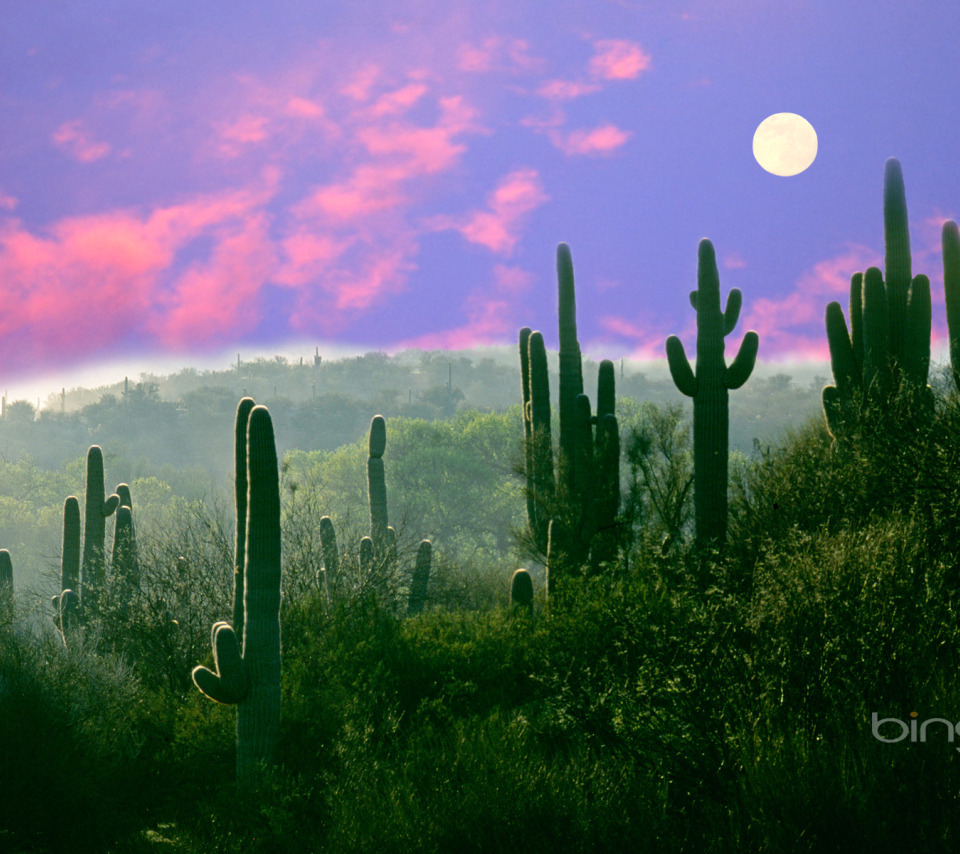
<point x="785" y="144"/>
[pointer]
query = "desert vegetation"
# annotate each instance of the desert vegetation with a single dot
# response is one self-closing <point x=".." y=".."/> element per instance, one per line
<point x="386" y="679"/>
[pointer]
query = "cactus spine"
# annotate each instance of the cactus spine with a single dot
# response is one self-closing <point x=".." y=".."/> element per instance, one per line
<point x="709" y="387"/>
<point x="887" y="346"/>
<point x="588" y="459"/>
<point x="97" y="508"/>
<point x="251" y="678"/>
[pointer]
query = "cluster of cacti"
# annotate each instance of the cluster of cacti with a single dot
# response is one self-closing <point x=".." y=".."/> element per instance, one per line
<point x="709" y="387"/>
<point x="97" y="507"/>
<point x="887" y="347"/>
<point x="83" y="557"/>
<point x="250" y="676"/>
<point x="583" y="492"/>
<point x="378" y="550"/>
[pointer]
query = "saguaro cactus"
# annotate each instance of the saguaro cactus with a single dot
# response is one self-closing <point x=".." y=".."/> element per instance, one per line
<point x="951" y="287"/>
<point x="240" y="502"/>
<point x="420" y="579"/>
<point x="97" y="507"/>
<point x="521" y="590"/>
<point x="887" y="347"/>
<point x="251" y="678"/>
<point x="584" y="492"/>
<point x="709" y="387"/>
<point x="377" y="485"/>
<point x="6" y="587"/>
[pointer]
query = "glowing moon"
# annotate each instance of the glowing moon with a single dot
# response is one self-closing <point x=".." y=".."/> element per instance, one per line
<point x="785" y="144"/>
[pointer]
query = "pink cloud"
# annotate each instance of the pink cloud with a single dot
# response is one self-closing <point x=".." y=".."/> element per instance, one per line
<point x="75" y="140"/>
<point x="784" y="323"/>
<point x="490" y="321"/>
<point x="307" y="256"/>
<point x="617" y="59"/>
<point x="362" y="82"/>
<point x="217" y="300"/>
<point x="497" y="53"/>
<point x="732" y="261"/>
<point x="498" y="228"/>
<point x="511" y="279"/>
<point x="398" y="101"/>
<point x="598" y="141"/>
<point x="304" y="108"/>
<point x="565" y="90"/>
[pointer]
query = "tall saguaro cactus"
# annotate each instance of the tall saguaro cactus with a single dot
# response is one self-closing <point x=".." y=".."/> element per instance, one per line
<point x="887" y="346"/>
<point x="377" y="485"/>
<point x="6" y="587"/>
<point x="583" y="492"/>
<point x="251" y="678"/>
<point x="951" y="287"/>
<point x="709" y="387"/>
<point x="240" y="502"/>
<point x="97" y="507"/>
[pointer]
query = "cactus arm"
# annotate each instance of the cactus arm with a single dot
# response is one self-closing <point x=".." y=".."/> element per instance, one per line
<point x="680" y="368"/>
<point x="331" y="551"/>
<point x="916" y="342"/>
<point x="876" y="342"/>
<point x="70" y="558"/>
<point x="834" y="410"/>
<point x="227" y="682"/>
<point x="542" y="482"/>
<point x="421" y="578"/>
<point x="741" y="368"/>
<point x="856" y="321"/>
<point x="366" y="556"/>
<point x="950" y="243"/>
<point x="110" y="505"/>
<point x="521" y="591"/>
<point x="6" y="587"/>
<point x="732" y="313"/>
<point x="843" y="361"/>
<point x="606" y="389"/>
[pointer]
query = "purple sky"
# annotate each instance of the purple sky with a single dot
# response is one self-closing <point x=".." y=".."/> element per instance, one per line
<point x="182" y="178"/>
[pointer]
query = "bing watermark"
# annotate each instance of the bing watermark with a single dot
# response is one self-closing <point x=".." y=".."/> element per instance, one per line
<point x="896" y="730"/>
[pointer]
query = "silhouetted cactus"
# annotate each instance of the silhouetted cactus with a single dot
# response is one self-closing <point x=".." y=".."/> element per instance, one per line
<point x="887" y="347"/>
<point x="70" y="556"/>
<point x="6" y="587"/>
<point x="331" y="552"/>
<point x="251" y="678"/>
<point x="125" y="563"/>
<point x="585" y="489"/>
<point x="709" y="387"/>
<point x="420" y="580"/>
<point x="240" y="502"/>
<point x="377" y="485"/>
<point x="97" y="508"/>
<point x="951" y="287"/>
<point x="521" y="590"/>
